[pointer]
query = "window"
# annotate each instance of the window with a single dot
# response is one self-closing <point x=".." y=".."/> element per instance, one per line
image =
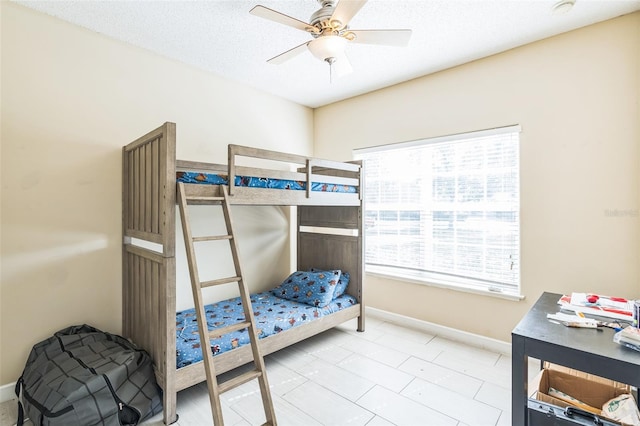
<point x="446" y="210"/>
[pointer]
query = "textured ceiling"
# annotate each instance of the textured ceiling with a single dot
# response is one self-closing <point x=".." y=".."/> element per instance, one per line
<point x="223" y="38"/>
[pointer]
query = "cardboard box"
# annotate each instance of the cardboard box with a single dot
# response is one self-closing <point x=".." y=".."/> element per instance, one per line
<point x="590" y="377"/>
<point x="593" y="392"/>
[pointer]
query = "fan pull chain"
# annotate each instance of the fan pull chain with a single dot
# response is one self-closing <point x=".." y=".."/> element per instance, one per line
<point x="331" y="61"/>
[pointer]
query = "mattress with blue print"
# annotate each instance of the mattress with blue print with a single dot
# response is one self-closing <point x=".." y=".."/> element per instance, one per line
<point x="258" y="182"/>
<point x="272" y="315"/>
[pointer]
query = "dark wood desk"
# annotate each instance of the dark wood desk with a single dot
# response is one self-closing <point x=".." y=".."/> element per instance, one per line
<point x="583" y="349"/>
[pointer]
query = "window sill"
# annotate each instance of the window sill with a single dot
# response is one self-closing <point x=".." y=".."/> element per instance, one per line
<point x="430" y="280"/>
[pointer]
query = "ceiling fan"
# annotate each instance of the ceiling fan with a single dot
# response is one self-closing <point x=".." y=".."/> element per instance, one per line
<point x="329" y="27"/>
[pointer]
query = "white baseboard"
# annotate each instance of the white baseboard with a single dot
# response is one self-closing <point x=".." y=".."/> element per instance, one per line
<point x="471" y="339"/>
<point x="7" y="392"/>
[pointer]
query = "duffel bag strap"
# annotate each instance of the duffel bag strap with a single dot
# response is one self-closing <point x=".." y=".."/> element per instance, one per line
<point x="19" y="385"/>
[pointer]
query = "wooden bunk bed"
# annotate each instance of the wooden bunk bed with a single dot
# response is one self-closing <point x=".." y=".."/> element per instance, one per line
<point x="149" y="215"/>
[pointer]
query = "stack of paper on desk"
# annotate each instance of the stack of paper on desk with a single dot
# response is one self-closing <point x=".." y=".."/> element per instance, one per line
<point x="616" y="308"/>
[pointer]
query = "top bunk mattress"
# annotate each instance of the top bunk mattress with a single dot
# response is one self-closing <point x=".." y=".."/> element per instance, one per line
<point x="258" y="182"/>
<point x="272" y="314"/>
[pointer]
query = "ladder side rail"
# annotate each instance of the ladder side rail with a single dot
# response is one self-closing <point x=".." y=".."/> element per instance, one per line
<point x="248" y="312"/>
<point x="212" y="381"/>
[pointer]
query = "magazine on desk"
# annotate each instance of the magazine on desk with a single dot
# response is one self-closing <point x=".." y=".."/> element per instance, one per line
<point x="603" y="306"/>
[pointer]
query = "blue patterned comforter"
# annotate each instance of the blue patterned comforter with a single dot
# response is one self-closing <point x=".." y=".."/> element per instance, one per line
<point x="272" y="314"/>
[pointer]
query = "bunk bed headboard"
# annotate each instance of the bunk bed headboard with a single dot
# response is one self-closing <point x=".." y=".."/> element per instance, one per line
<point x="149" y="191"/>
<point x="330" y="237"/>
<point x="149" y="183"/>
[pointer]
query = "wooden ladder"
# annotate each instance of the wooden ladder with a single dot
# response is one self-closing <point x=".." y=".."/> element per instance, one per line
<point x="259" y="372"/>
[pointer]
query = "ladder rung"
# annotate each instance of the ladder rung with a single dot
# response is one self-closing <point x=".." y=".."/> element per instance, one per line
<point x="212" y="238"/>
<point x="239" y="380"/>
<point x="228" y="329"/>
<point x="219" y="281"/>
<point x="203" y="198"/>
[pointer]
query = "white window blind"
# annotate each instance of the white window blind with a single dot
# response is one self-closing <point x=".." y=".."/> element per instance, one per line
<point x="446" y="209"/>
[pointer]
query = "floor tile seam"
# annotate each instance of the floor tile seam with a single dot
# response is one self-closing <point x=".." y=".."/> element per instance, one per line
<point x="367" y="378"/>
<point x="295" y="387"/>
<point x="378" y="415"/>
<point x="357" y="402"/>
<point x="285" y="364"/>
<point x="381" y="362"/>
<point x="408" y="327"/>
<point x="341" y="367"/>
<point x="339" y="396"/>
<point x="446" y="368"/>
<point x="373" y="384"/>
<point x="274" y="403"/>
<point x="405" y="337"/>
<point x="414" y="401"/>
<point x="447" y="389"/>
<point x="424" y="405"/>
<point x="376" y="341"/>
<point x="508" y="391"/>
<point x="500" y="357"/>
<point x="470" y="375"/>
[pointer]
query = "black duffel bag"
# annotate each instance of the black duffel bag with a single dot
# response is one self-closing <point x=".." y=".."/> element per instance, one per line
<point x="84" y="376"/>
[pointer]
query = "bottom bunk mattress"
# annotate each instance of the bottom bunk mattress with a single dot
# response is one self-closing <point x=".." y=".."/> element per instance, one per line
<point x="272" y="314"/>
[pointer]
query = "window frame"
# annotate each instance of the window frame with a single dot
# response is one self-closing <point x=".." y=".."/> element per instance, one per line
<point x="445" y="280"/>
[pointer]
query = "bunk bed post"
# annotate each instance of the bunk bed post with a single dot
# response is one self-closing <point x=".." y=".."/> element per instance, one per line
<point x="231" y="162"/>
<point x="309" y="169"/>
<point x="148" y="272"/>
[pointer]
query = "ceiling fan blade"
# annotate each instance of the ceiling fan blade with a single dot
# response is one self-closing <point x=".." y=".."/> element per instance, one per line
<point x="345" y="10"/>
<point x="398" y="38"/>
<point x="341" y="66"/>
<point x="281" y="18"/>
<point x="289" y="54"/>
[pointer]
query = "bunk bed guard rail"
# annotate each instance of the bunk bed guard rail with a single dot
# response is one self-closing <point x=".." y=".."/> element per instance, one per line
<point x="313" y="170"/>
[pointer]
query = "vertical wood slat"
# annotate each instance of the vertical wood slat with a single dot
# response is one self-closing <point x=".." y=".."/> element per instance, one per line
<point x="155" y="302"/>
<point x="126" y="185"/>
<point x="168" y="179"/>
<point x="135" y="224"/>
<point x="148" y="207"/>
<point x="155" y="195"/>
<point x="141" y="187"/>
<point x="167" y="336"/>
<point x="142" y="293"/>
<point x="130" y="193"/>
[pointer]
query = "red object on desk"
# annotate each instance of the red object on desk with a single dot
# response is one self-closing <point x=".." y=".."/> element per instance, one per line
<point x="593" y="298"/>
<point x="565" y="302"/>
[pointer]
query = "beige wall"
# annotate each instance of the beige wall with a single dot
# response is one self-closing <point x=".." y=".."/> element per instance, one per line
<point x="576" y="97"/>
<point x="70" y="100"/>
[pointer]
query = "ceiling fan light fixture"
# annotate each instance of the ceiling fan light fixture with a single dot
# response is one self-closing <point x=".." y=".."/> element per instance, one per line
<point x="326" y="47"/>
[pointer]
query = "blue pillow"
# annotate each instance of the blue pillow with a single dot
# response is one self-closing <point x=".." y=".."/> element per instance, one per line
<point x="343" y="282"/>
<point x="312" y="288"/>
<point x="341" y="287"/>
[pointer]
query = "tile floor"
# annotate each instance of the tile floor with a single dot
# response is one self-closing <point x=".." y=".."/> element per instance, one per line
<point x="388" y="375"/>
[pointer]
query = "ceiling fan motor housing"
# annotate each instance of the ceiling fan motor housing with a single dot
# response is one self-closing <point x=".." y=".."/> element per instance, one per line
<point x="321" y="19"/>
